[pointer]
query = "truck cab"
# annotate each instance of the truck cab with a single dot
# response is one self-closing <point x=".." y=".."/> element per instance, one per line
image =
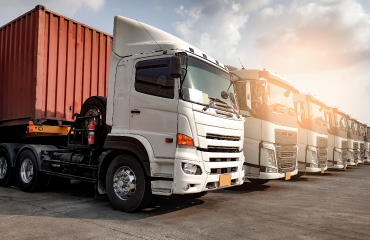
<point x="361" y="140"/>
<point x="353" y="133"/>
<point x="270" y="129"/>
<point x="312" y="133"/>
<point x="337" y="138"/>
<point x="367" y="143"/>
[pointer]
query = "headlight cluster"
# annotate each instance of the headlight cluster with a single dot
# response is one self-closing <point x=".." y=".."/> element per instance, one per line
<point x="338" y="156"/>
<point x="312" y="151"/>
<point x="191" y="169"/>
<point x="271" y="157"/>
<point x="269" y="150"/>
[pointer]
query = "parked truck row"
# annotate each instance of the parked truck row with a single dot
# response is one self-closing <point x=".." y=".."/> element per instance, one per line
<point x="144" y="113"/>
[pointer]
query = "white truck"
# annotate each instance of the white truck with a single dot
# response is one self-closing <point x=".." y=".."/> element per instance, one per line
<point x="353" y="139"/>
<point x="312" y="133"/>
<point x="170" y="125"/>
<point x="367" y="143"/>
<point x="337" y="138"/>
<point x="270" y="129"/>
<point x="361" y="140"/>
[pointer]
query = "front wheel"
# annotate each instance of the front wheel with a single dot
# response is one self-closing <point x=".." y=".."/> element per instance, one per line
<point x="128" y="188"/>
<point x="258" y="181"/>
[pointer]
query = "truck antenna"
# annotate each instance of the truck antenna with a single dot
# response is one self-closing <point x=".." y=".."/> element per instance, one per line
<point x="241" y="64"/>
<point x="149" y="34"/>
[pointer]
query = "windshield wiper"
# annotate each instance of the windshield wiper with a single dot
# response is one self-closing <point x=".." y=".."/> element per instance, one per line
<point x="210" y="103"/>
<point x="213" y="100"/>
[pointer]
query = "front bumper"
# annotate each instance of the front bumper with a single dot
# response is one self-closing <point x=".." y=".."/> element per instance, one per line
<point x="338" y="166"/>
<point x="187" y="184"/>
<point x="270" y="176"/>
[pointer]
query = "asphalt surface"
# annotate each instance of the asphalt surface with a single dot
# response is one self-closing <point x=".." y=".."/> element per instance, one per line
<point x="334" y="205"/>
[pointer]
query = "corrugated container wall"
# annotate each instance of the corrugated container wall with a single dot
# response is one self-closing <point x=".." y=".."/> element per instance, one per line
<point x="49" y="65"/>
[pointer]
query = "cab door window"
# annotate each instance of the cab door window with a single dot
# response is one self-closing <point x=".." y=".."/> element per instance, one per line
<point x="152" y="77"/>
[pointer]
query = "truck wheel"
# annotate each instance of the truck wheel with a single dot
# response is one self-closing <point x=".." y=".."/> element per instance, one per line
<point x="6" y="171"/>
<point x="28" y="176"/>
<point x="91" y="107"/>
<point x="128" y="188"/>
<point x="258" y="181"/>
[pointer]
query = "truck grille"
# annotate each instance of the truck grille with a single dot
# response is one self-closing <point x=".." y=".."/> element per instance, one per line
<point x="220" y="149"/>
<point x="355" y="145"/>
<point x="222" y="137"/>
<point x="322" y="142"/>
<point x="286" y="158"/>
<point x="322" y="156"/>
<point x="285" y="137"/>
<point x="224" y="170"/>
<point x="223" y="159"/>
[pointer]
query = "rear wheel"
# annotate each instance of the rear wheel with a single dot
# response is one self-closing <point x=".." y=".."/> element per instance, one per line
<point x="258" y="181"/>
<point x="6" y="171"/>
<point x="128" y="188"/>
<point x="28" y="176"/>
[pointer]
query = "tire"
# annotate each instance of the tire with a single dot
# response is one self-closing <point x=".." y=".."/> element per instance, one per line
<point x="27" y="171"/>
<point x="93" y="106"/>
<point x="133" y="199"/>
<point x="258" y="181"/>
<point x="6" y="170"/>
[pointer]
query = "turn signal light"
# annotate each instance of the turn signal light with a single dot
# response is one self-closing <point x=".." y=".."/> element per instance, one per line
<point x="184" y="140"/>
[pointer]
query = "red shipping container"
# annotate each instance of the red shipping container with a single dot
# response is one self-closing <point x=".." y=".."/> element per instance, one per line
<point x="49" y="65"/>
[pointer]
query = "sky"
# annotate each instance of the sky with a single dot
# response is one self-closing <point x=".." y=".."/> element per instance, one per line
<point x="321" y="46"/>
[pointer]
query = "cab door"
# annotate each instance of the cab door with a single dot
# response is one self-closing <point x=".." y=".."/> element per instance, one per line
<point x="153" y="105"/>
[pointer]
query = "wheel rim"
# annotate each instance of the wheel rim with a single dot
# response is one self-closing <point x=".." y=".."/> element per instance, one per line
<point x="3" y="167"/>
<point x="93" y="111"/>
<point x="124" y="183"/>
<point x="27" y="170"/>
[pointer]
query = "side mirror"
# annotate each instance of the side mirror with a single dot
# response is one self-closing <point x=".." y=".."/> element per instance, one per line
<point x="175" y="67"/>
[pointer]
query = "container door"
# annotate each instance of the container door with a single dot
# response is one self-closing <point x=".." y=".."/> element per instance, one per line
<point x="153" y="106"/>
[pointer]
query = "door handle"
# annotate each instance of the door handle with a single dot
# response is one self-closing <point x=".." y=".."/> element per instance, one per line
<point x="135" y="111"/>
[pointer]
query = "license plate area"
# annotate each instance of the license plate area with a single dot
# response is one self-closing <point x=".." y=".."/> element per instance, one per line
<point x="225" y="180"/>
<point x="287" y="176"/>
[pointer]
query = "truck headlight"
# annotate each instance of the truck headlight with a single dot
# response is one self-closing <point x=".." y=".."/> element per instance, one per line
<point x="191" y="169"/>
<point x="312" y="151"/>
<point x="338" y="155"/>
<point x="270" y="150"/>
<point x="271" y="170"/>
<point x="271" y="157"/>
<point x="313" y="165"/>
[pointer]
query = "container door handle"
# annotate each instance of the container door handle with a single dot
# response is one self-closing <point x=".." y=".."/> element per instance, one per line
<point x="135" y="111"/>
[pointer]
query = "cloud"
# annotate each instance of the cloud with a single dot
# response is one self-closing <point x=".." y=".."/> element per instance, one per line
<point x="215" y="25"/>
<point x="12" y="9"/>
<point x="325" y="35"/>
<point x="271" y="12"/>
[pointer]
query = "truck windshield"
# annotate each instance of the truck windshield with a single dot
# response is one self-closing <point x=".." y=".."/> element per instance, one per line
<point x="353" y="126"/>
<point x="340" y="121"/>
<point x="280" y="97"/>
<point x="204" y="83"/>
<point x="316" y="112"/>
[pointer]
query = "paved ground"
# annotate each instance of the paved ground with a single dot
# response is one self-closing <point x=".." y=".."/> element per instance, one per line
<point x="334" y="205"/>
